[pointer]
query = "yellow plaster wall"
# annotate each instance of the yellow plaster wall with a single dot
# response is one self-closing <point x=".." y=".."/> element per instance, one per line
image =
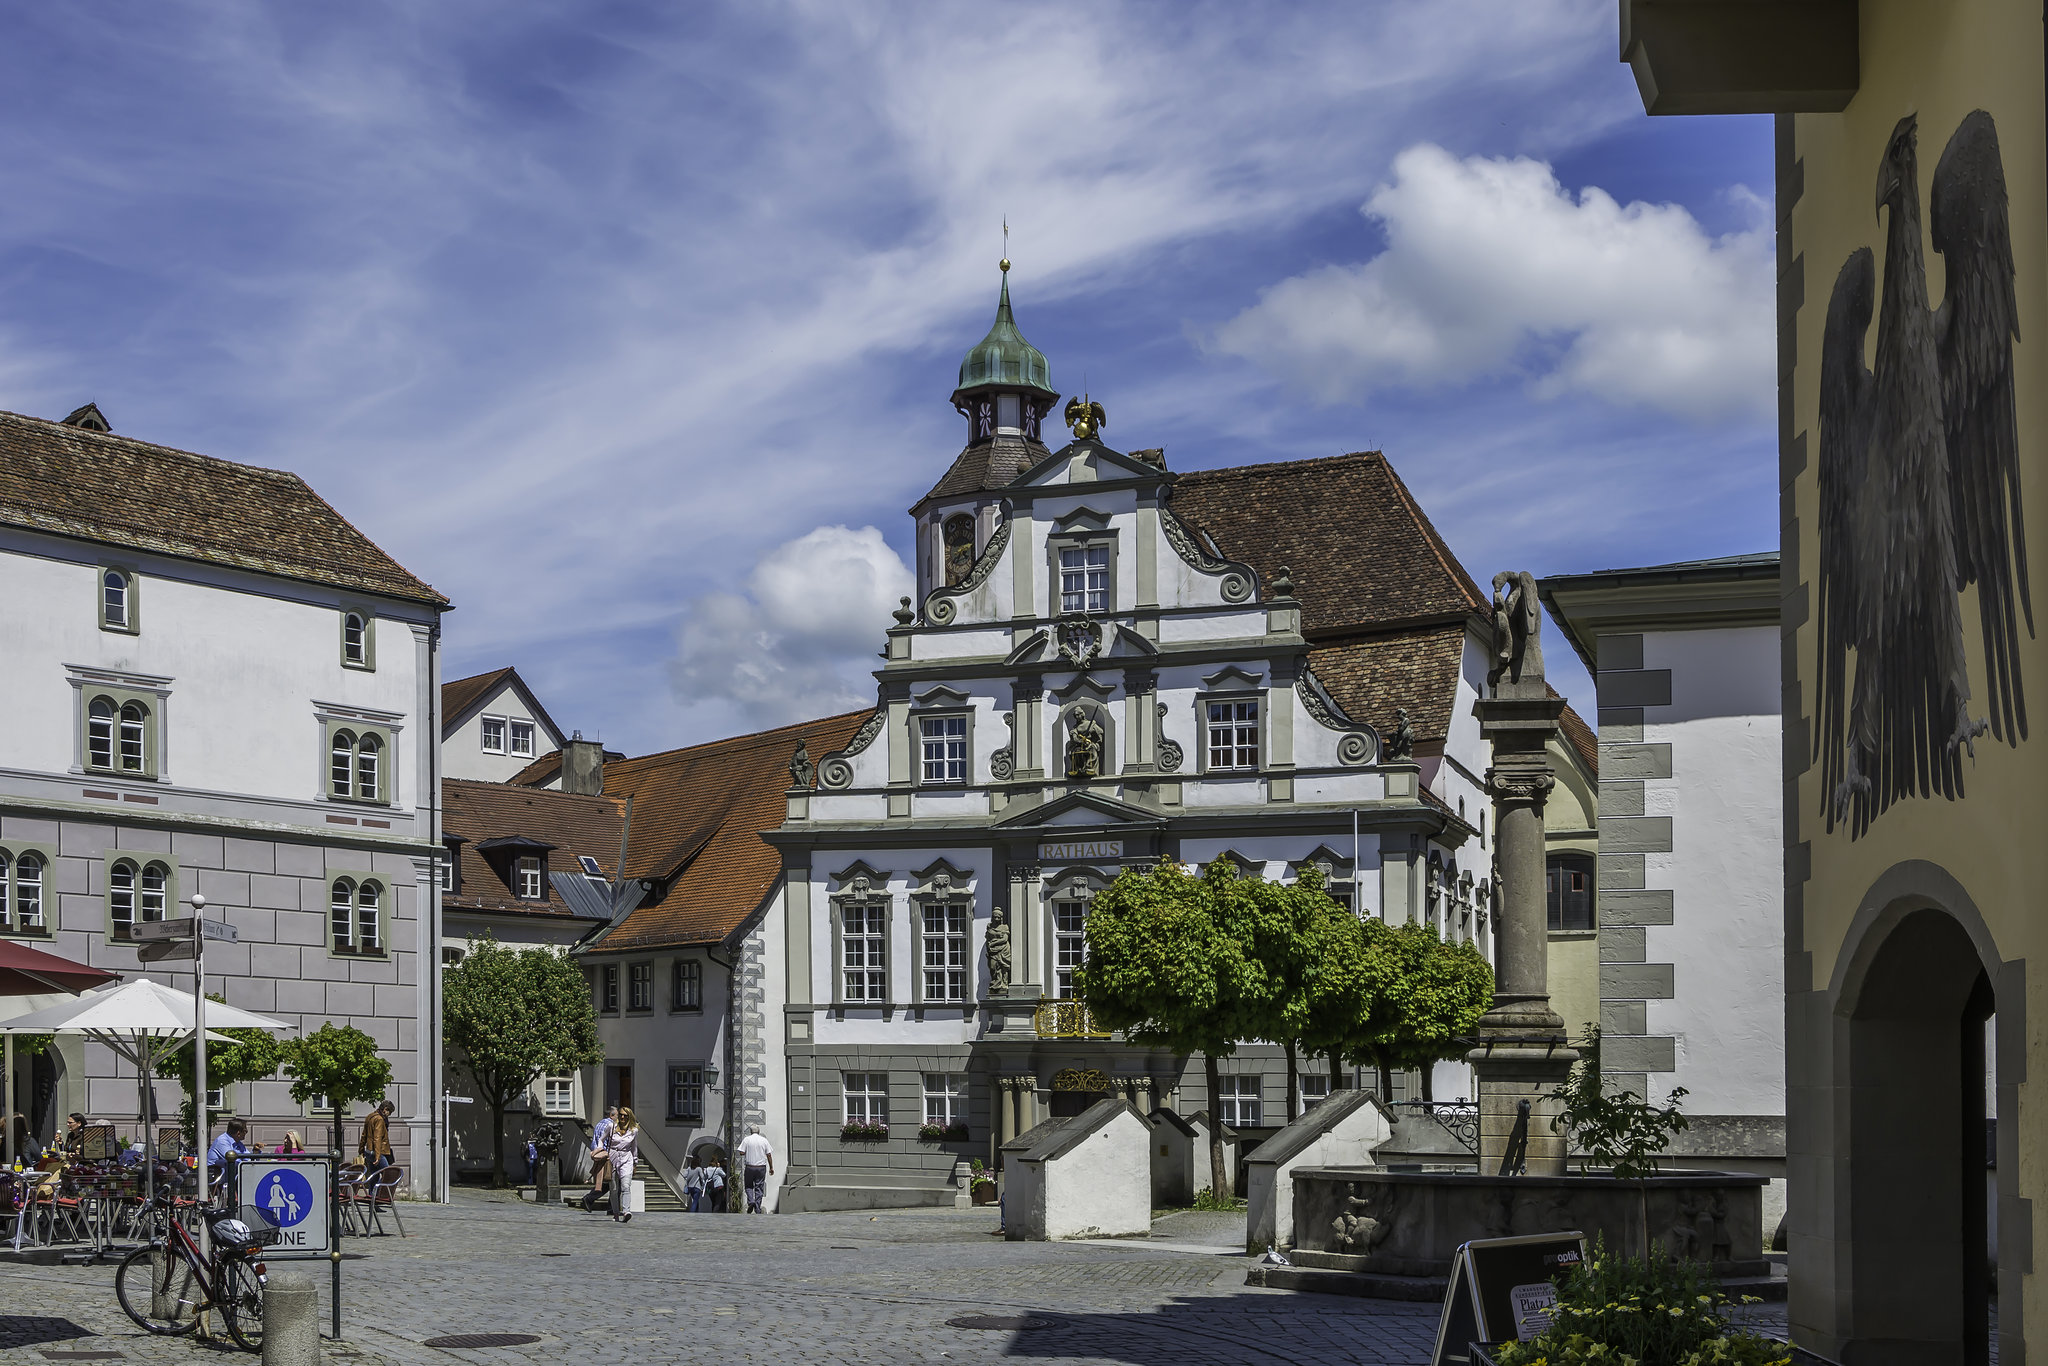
<point x="1574" y="958"/>
<point x="1940" y="60"/>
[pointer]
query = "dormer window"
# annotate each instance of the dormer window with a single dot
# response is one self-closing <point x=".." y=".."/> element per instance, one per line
<point x="1084" y="579"/>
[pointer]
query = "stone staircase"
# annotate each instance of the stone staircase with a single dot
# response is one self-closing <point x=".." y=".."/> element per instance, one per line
<point x="661" y="1196"/>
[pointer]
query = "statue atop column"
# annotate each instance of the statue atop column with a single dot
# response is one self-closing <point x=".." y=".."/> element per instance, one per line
<point x="1517" y="631"/>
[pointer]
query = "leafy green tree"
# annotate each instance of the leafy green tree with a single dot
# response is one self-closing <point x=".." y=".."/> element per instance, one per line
<point x="1165" y="967"/>
<point x="1346" y="996"/>
<point x="255" y="1054"/>
<point x="1434" y="999"/>
<point x="339" y="1062"/>
<point x="516" y="1015"/>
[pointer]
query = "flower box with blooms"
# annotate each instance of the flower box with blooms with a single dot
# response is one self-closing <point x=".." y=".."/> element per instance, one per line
<point x="1659" y="1311"/>
<point x="863" y="1131"/>
<point x="933" y="1133"/>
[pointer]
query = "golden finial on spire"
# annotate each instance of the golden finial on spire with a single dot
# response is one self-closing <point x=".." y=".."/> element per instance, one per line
<point x="1004" y="264"/>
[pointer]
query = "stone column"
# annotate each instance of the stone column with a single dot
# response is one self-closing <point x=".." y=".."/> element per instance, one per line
<point x="1522" y="1054"/>
<point x="1006" y="1101"/>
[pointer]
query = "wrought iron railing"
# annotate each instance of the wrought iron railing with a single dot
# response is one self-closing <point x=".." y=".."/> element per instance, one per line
<point x="1066" y="1020"/>
<point x="1458" y="1118"/>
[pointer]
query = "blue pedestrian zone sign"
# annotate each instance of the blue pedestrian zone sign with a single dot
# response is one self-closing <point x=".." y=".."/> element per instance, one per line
<point x="292" y="1195"/>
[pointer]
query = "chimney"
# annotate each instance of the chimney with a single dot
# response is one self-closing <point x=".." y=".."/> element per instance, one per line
<point x="583" y="766"/>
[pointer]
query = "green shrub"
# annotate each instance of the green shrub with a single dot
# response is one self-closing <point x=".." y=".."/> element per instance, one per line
<point x="1628" y="1311"/>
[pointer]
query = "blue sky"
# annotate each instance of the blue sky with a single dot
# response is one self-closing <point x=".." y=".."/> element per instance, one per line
<point x="631" y="328"/>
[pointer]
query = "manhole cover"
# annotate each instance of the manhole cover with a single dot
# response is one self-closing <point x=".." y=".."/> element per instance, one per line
<point x="1008" y="1323"/>
<point x="557" y="1254"/>
<point x="483" y="1340"/>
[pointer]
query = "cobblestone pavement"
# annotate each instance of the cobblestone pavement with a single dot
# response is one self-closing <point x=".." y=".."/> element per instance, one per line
<point x="856" y="1289"/>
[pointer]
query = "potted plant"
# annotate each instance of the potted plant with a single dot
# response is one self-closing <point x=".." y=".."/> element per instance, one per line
<point x="981" y="1183"/>
<point x="1657" y="1311"/>
<point x="936" y="1133"/>
<point x="863" y="1131"/>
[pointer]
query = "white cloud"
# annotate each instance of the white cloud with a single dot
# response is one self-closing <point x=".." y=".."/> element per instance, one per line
<point x="802" y="639"/>
<point x="1492" y="266"/>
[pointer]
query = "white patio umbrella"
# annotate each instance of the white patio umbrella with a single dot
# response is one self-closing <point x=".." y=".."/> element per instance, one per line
<point x="142" y="1021"/>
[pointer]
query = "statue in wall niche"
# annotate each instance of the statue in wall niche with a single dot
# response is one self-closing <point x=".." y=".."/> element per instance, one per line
<point x="1085" y="738"/>
<point x="998" y="943"/>
<point x="1401" y="744"/>
<point x="802" y="772"/>
<point x="1517" y="627"/>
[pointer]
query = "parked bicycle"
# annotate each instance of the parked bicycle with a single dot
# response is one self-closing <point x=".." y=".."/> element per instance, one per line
<point x="167" y="1285"/>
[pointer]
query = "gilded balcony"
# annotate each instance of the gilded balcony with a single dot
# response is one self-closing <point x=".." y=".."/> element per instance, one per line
<point x="1066" y="1020"/>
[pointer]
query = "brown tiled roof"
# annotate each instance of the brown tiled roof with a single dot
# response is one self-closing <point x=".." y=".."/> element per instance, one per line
<point x="698" y="815"/>
<point x="540" y="772"/>
<point x="95" y="486"/>
<point x="1580" y="737"/>
<point x="463" y="693"/>
<point x="991" y="465"/>
<point x="1362" y="553"/>
<point x="478" y="811"/>
<point x="1371" y="675"/>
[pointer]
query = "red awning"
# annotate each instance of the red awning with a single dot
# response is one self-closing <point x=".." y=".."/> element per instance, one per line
<point x="31" y="972"/>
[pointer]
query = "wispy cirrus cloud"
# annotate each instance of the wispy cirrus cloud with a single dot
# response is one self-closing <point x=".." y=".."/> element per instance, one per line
<point x="583" y="311"/>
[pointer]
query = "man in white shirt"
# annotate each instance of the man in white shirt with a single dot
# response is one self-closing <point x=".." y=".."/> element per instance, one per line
<point x="757" y="1157"/>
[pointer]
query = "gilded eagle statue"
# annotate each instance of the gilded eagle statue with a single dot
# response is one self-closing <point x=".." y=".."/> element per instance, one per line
<point x="1085" y="417"/>
<point x="1920" y="490"/>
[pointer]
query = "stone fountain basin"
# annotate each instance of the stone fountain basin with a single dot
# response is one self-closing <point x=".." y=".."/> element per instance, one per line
<point x="1410" y="1223"/>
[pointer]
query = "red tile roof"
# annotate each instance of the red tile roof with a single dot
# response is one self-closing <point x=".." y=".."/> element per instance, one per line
<point x="477" y="811"/>
<point x="697" y="819"/>
<point x="95" y="486"/>
<point x="460" y="695"/>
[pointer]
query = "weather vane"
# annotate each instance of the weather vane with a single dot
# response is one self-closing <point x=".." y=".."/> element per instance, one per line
<point x="1004" y="264"/>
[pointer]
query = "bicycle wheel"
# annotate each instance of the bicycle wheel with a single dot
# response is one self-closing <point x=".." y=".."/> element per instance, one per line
<point x="160" y="1291"/>
<point x="241" y="1303"/>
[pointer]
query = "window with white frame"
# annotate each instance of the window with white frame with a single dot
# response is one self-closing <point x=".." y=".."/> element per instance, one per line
<point x="558" y="1096"/>
<point x="114" y="601"/>
<point x="640" y="986"/>
<point x="945" y="1099"/>
<point x="355" y="916"/>
<point x="1315" y="1086"/>
<point x="355" y="640"/>
<point x="867" y="1097"/>
<point x="444" y="872"/>
<point x="1237" y="1104"/>
<point x="608" y="988"/>
<point x="1233" y="733"/>
<point x="863" y="945"/>
<point x="23" y="902"/>
<point x="526" y="881"/>
<point x="521" y="738"/>
<point x="494" y="734"/>
<point x="1070" y="941"/>
<point x="686" y="1093"/>
<point x="356" y="764"/>
<point x="945" y="748"/>
<point x="686" y="985"/>
<point x="120" y="736"/>
<point x="944" y="960"/>
<point x="1084" y="578"/>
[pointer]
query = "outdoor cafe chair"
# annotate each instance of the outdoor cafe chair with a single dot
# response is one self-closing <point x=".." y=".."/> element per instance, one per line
<point x="382" y="1190"/>
<point x="347" y="1182"/>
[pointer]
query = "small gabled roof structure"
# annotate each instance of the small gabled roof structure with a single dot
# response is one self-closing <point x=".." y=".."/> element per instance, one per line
<point x="698" y="815"/>
<point x="487" y="824"/>
<point x="465" y="697"/>
<point x="77" y="480"/>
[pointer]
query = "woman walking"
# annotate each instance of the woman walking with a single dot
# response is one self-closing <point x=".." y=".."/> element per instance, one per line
<point x="624" y="1148"/>
<point x="693" y="1184"/>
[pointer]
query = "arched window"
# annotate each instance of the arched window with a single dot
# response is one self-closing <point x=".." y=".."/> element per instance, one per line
<point x="355" y="647"/>
<point x="115" y="615"/>
<point x="342" y="911"/>
<point x="368" y="750"/>
<point x="156" y="885"/>
<point x="959" y="536"/>
<point x="99" y="733"/>
<point x="369" y="899"/>
<point x="28" y="894"/>
<point x="341" y="772"/>
<point x="121" y="898"/>
<point x="1571" y="891"/>
<point x="134" y="738"/>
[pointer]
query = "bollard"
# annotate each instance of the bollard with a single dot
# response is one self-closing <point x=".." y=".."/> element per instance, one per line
<point x="291" y="1320"/>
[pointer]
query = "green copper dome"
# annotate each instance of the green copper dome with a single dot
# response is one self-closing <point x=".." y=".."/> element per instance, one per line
<point x="1003" y="356"/>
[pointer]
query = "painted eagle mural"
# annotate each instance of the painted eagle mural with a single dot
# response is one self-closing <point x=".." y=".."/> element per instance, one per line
<point x="1920" y="490"/>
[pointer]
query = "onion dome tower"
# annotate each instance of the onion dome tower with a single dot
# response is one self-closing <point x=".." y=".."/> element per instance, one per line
<point x="1005" y="384"/>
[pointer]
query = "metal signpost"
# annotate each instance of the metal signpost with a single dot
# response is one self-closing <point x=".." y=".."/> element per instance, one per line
<point x="169" y="940"/>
